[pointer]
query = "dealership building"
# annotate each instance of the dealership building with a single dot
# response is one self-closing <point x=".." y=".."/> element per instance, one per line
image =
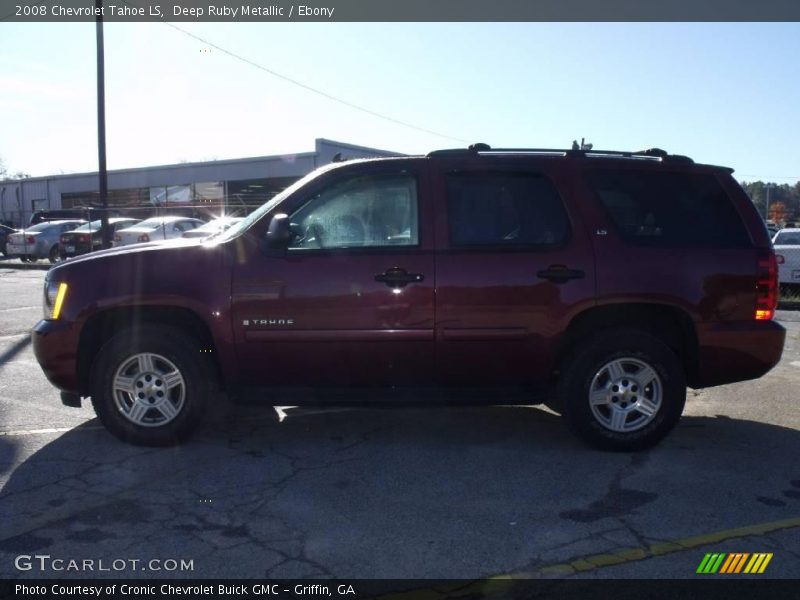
<point x="234" y="186"/>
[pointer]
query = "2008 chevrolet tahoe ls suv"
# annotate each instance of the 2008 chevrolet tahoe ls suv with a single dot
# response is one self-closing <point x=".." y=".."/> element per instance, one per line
<point x="599" y="283"/>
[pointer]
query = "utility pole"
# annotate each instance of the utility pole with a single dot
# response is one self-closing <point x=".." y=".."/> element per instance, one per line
<point x="101" y="127"/>
<point x="766" y="215"/>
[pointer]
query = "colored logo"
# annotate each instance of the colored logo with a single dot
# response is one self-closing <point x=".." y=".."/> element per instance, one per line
<point x="735" y="562"/>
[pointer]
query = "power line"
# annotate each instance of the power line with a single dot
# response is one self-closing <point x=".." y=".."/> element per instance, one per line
<point x="313" y="89"/>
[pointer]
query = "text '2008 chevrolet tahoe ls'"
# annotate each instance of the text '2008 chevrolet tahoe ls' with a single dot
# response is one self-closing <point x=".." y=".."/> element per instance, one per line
<point x="599" y="283"/>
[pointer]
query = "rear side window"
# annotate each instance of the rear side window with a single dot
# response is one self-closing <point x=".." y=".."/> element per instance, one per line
<point x="669" y="209"/>
<point x="504" y="209"/>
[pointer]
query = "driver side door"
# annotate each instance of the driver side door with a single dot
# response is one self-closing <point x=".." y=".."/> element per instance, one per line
<point x="352" y="301"/>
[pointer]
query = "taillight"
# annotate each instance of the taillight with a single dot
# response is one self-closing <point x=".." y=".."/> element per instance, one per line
<point x="144" y="238"/>
<point x="780" y="259"/>
<point x="63" y="239"/>
<point x="767" y="286"/>
<point x="30" y="240"/>
<point x="83" y="238"/>
<point x="117" y="238"/>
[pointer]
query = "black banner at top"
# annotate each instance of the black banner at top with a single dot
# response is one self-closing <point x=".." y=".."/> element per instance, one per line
<point x="231" y="11"/>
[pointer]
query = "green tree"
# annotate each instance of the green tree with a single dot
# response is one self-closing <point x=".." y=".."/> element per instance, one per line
<point x="788" y="195"/>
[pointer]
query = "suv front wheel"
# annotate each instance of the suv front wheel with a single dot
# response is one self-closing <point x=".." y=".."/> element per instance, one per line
<point x="623" y="390"/>
<point x="150" y="386"/>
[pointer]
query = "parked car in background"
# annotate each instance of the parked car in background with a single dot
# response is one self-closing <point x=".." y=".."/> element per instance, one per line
<point x="787" y="252"/>
<point x="155" y="229"/>
<point x="88" y="237"/>
<point x="5" y="231"/>
<point x="39" y="241"/>
<point x="80" y="213"/>
<point x="212" y="227"/>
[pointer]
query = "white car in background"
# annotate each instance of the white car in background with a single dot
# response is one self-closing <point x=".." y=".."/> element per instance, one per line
<point x="787" y="252"/>
<point x="213" y="227"/>
<point x="155" y="229"/>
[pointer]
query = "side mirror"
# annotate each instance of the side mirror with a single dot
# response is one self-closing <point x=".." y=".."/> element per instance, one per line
<point x="278" y="236"/>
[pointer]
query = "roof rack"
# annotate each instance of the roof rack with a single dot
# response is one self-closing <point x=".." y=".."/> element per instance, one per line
<point x="655" y="154"/>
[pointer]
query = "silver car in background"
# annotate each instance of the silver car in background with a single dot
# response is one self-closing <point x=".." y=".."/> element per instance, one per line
<point x="155" y="229"/>
<point x="39" y="241"/>
<point x="787" y="252"/>
<point x="216" y="226"/>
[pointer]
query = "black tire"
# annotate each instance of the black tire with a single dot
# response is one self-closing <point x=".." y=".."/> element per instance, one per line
<point x="588" y="369"/>
<point x="53" y="257"/>
<point x="24" y="259"/>
<point x="175" y="347"/>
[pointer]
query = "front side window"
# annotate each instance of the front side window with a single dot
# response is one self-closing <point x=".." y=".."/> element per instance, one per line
<point x="504" y="209"/>
<point x="370" y="211"/>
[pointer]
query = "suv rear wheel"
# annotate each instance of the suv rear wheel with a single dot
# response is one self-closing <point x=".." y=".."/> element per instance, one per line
<point x="150" y="387"/>
<point x="623" y="390"/>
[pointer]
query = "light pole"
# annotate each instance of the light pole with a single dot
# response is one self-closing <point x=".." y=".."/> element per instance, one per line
<point x="101" y="127"/>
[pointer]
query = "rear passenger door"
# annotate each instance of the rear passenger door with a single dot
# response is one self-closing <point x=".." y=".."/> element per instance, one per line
<point x="513" y="265"/>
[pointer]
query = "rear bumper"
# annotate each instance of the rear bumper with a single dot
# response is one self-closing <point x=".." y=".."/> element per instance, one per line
<point x="736" y="351"/>
<point x="34" y="250"/>
<point x="55" y="345"/>
<point x="77" y="250"/>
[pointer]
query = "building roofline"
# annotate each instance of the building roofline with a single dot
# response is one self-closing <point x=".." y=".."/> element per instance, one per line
<point x="225" y="161"/>
<point x="319" y="141"/>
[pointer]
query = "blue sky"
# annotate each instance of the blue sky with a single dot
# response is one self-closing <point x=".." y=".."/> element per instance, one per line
<point x="721" y="93"/>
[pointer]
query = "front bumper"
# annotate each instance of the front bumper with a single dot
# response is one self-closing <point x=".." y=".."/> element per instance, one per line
<point x="55" y="345"/>
<point x="736" y="351"/>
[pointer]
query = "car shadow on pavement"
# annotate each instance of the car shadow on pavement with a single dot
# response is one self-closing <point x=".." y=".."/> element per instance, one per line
<point x="446" y="492"/>
<point x="15" y="349"/>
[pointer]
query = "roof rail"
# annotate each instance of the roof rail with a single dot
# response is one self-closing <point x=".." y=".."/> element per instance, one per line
<point x="656" y="154"/>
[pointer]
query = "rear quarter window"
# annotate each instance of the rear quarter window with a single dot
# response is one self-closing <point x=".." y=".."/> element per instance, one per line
<point x="650" y="208"/>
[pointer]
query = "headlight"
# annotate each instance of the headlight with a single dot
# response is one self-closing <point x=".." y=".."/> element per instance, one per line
<point x="54" y="294"/>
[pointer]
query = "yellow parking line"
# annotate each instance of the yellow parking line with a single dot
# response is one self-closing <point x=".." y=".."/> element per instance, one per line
<point x="597" y="561"/>
<point x="499" y="584"/>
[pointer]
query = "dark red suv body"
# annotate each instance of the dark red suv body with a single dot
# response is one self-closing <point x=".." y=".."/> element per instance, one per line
<point x="599" y="283"/>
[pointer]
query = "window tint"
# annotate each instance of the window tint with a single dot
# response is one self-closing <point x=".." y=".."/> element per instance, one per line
<point x="669" y="209"/>
<point x="504" y="209"/>
<point x="369" y="211"/>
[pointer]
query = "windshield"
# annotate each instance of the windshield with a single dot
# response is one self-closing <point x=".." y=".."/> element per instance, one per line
<point x="245" y="223"/>
<point x="42" y="226"/>
<point x="93" y="226"/>
<point x="153" y="223"/>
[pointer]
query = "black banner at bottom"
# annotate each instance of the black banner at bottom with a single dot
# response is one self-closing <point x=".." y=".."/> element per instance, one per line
<point x="397" y="589"/>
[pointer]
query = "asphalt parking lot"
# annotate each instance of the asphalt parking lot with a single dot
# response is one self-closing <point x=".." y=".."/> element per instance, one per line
<point x="393" y="493"/>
